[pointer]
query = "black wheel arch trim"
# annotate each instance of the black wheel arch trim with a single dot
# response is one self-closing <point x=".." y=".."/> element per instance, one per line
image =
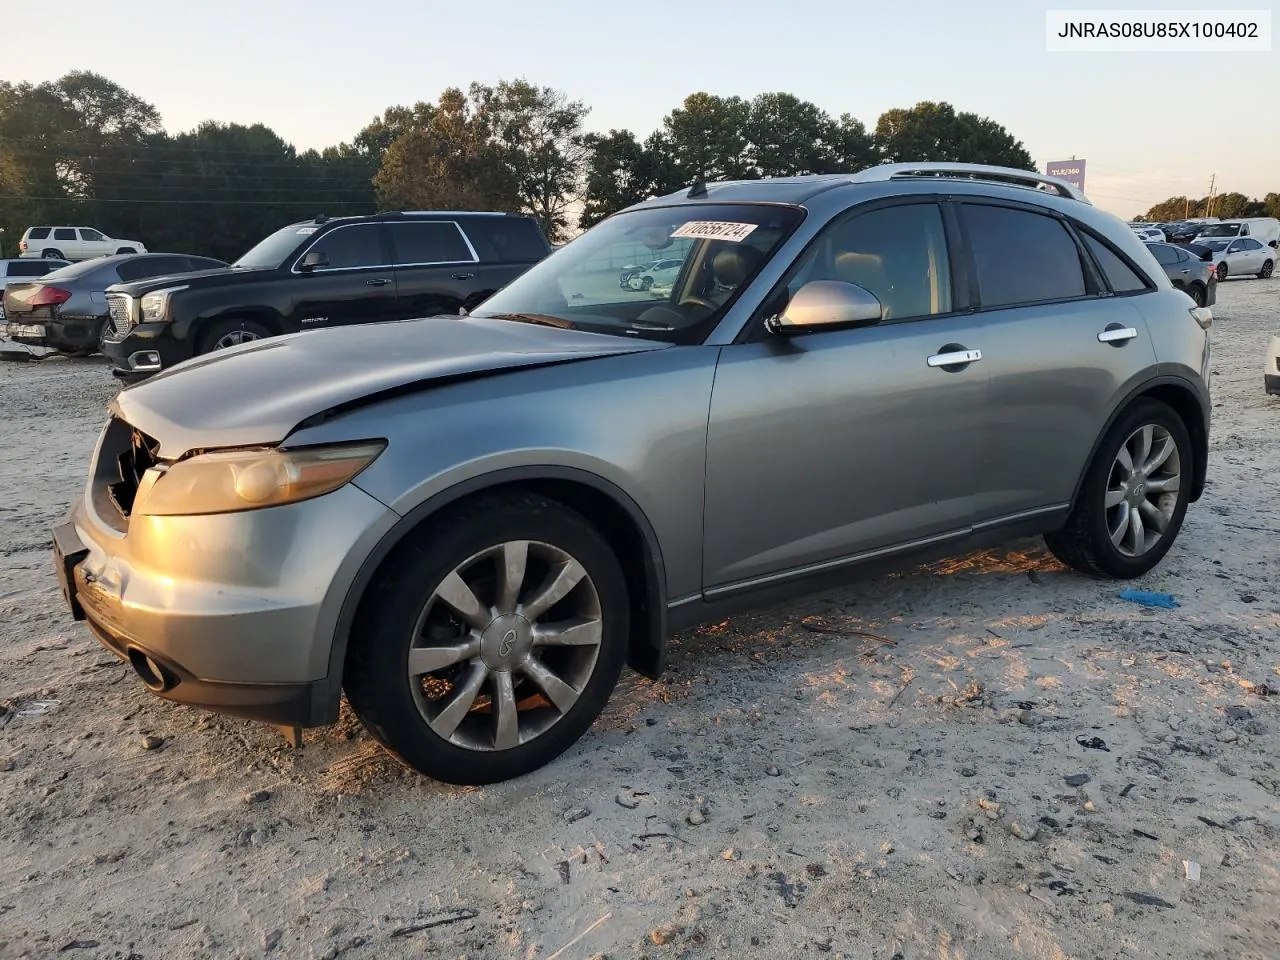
<point x="1145" y="387"/>
<point x="193" y="327"/>
<point x="647" y="652"/>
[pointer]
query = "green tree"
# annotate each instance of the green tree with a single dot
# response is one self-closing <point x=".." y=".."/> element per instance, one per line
<point x="538" y="133"/>
<point x="705" y="138"/>
<point x="1271" y="205"/>
<point x="451" y="163"/>
<point x="620" y="171"/>
<point x="394" y="123"/>
<point x="935" y="132"/>
<point x="1228" y="206"/>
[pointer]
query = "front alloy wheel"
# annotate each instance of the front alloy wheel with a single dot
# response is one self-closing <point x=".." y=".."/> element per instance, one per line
<point x="1142" y="491"/>
<point x="505" y="645"/>
<point x="491" y="639"/>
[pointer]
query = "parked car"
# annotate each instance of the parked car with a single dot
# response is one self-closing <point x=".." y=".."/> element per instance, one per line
<point x="1188" y="273"/>
<point x="1183" y="232"/>
<point x="67" y="309"/>
<point x="1238" y="258"/>
<point x="12" y="271"/>
<point x="1271" y="373"/>
<point x="1149" y="234"/>
<point x="322" y="273"/>
<point x="470" y="524"/>
<point x="73" y="243"/>
<point x="1266" y="230"/>
<point x="656" y="277"/>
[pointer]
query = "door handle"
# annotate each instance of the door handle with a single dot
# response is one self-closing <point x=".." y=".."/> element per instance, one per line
<point x="378" y="282"/>
<point x="463" y="276"/>
<point x="954" y="358"/>
<point x="1186" y="271"/>
<point x="1117" y="334"/>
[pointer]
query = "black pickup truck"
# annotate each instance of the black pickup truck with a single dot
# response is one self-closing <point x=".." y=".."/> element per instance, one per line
<point x="324" y="272"/>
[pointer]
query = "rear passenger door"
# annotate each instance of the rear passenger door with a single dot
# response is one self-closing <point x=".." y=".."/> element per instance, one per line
<point x="64" y="240"/>
<point x="1061" y="339"/>
<point x="436" y="267"/>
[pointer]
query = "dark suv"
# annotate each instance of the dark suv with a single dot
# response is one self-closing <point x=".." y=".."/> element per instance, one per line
<point x="321" y="273"/>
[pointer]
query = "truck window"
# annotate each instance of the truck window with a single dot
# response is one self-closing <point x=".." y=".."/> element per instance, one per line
<point x="506" y="239"/>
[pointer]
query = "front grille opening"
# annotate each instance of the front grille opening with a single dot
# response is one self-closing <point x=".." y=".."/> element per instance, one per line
<point x="132" y="463"/>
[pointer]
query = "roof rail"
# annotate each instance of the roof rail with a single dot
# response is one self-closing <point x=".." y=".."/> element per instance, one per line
<point x="1007" y="176"/>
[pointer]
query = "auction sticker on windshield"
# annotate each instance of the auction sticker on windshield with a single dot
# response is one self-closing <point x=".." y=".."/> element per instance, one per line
<point x="715" y="230"/>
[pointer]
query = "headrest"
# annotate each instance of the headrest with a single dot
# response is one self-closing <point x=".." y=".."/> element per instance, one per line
<point x="732" y="265"/>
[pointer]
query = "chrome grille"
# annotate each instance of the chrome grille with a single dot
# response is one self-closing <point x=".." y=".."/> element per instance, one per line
<point x="120" y="306"/>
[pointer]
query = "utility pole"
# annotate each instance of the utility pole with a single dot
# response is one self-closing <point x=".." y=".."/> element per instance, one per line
<point x="1186" y="210"/>
<point x="1212" y="179"/>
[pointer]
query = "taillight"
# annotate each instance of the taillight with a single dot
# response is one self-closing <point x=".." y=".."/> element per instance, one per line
<point x="22" y="245"/>
<point x="49" y="297"/>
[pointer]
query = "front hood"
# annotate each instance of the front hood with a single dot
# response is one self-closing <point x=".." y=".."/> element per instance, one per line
<point x="217" y="277"/>
<point x="259" y="392"/>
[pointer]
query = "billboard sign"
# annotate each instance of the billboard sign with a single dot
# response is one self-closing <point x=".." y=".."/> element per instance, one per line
<point x="1071" y="171"/>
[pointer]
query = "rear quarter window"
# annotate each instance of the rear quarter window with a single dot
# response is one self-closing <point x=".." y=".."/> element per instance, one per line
<point x="506" y="239"/>
<point x="1121" y="277"/>
<point x="38" y="233"/>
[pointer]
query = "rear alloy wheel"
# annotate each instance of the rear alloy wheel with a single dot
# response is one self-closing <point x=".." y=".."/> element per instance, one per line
<point x="124" y="250"/>
<point x="1222" y="270"/>
<point x="230" y="333"/>
<point x="1196" y="293"/>
<point x="1267" y="269"/>
<point x="493" y="643"/>
<point x="52" y="255"/>
<point x="1134" y="497"/>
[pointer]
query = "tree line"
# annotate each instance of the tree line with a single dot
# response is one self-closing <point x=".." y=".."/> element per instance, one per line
<point x="1224" y="206"/>
<point x="83" y="150"/>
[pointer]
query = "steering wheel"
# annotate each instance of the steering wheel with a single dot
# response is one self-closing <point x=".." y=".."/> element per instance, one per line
<point x="700" y="302"/>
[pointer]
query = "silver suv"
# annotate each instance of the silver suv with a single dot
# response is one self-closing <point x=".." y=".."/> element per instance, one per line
<point x="470" y="524"/>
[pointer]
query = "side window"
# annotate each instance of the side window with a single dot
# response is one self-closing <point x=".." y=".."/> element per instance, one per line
<point x="505" y="239"/>
<point x="204" y="263"/>
<point x="1120" y="276"/>
<point x="1165" y="256"/>
<point x="1251" y="245"/>
<point x="898" y="253"/>
<point x="150" y="267"/>
<point x="355" y="246"/>
<point x="426" y="242"/>
<point x="1183" y="256"/>
<point x="32" y="268"/>
<point x="1235" y="246"/>
<point x="91" y="235"/>
<point x="38" y="233"/>
<point x="63" y="233"/>
<point x="1022" y="257"/>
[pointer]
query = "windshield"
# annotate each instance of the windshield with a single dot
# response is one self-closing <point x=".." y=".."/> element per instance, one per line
<point x="1215" y="245"/>
<point x="275" y="249"/>
<point x="1221" y="230"/>
<point x="696" y="257"/>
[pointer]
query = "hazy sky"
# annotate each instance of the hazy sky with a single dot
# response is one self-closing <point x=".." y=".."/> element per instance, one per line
<point x="1150" y="125"/>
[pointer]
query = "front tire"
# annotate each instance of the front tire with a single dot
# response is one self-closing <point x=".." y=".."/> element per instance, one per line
<point x="1134" y="497"/>
<point x="492" y="642"/>
<point x="230" y="333"/>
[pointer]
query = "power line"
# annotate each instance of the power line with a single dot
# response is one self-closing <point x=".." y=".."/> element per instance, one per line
<point x="183" y="147"/>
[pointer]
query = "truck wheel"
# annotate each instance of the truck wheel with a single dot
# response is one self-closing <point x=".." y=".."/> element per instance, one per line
<point x="492" y="641"/>
<point x="229" y="333"/>
<point x="52" y="254"/>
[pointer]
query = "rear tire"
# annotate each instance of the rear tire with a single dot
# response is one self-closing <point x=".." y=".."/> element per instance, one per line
<point x="1222" y="270"/>
<point x="447" y="722"/>
<point x="1196" y="293"/>
<point x="229" y="333"/>
<point x="1100" y="537"/>
<point x="125" y="250"/>
<point x="52" y="254"/>
<point x="1267" y="269"/>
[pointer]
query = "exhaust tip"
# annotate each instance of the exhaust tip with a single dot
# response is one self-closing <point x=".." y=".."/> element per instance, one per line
<point x="154" y="676"/>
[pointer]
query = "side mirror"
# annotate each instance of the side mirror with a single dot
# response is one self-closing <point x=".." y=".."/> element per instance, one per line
<point x="827" y="305"/>
<point x="313" y="260"/>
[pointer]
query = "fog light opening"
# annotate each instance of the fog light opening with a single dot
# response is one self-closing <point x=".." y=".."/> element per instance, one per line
<point x="154" y="677"/>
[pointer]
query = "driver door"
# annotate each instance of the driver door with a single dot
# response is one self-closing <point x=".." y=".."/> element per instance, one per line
<point x="827" y="446"/>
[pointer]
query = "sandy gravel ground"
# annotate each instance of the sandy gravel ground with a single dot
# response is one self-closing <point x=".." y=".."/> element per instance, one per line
<point x="793" y="788"/>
